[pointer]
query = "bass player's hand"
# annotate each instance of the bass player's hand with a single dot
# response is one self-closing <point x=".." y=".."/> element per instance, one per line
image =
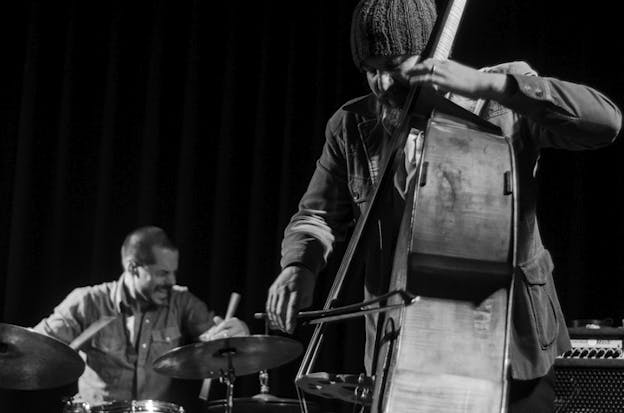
<point x="451" y="76"/>
<point x="291" y="291"/>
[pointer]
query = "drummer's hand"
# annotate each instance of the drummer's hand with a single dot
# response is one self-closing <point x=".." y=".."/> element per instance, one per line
<point x="222" y="329"/>
<point x="451" y="76"/>
<point x="291" y="291"/>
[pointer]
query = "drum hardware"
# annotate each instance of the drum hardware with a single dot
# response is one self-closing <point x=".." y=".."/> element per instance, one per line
<point x="34" y="361"/>
<point x="228" y="377"/>
<point x="356" y="389"/>
<point x="351" y="388"/>
<point x="232" y="305"/>
<point x="228" y="358"/>
<point x="263" y="402"/>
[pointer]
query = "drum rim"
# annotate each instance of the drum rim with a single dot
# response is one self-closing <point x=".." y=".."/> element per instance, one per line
<point x="116" y="404"/>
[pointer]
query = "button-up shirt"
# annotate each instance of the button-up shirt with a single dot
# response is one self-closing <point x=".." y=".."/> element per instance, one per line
<point x="119" y="360"/>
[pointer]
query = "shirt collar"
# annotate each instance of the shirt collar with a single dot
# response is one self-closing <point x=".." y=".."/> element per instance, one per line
<point x="124" y="301"/>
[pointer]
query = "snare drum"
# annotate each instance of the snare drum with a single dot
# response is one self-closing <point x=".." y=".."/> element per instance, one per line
<point x="131" y="406"/>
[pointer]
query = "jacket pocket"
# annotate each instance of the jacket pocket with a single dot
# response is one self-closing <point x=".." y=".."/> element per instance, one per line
<point x="109" y="341"/>
<point x="165" y="339"/>
<point x="541" y="296"/>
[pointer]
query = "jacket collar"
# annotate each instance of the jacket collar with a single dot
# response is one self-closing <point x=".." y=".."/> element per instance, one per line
<point x="363" y="106"/>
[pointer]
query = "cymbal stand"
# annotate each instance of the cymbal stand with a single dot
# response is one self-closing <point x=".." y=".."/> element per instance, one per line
<point x="263" y="375"/>
<point x="228" y="377"/>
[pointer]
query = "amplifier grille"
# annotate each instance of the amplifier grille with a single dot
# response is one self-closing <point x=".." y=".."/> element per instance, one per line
<point x="589" y="389"/>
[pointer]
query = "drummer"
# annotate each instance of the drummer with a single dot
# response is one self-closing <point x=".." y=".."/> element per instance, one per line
<point x="152" y="315"/>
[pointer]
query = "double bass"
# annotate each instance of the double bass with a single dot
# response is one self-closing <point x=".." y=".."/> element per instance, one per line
<point x="443" y="340"/>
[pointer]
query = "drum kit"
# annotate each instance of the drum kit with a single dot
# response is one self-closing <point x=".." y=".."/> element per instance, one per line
<point x="33" y="361"/>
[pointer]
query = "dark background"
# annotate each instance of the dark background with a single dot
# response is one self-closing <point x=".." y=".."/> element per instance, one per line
<point x="206" y="118"/>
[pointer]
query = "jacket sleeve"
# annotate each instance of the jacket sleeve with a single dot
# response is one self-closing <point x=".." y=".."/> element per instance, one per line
<point x="563" y="114"/>
<point x="196" y="317"/>
<point x="325" y="210"/>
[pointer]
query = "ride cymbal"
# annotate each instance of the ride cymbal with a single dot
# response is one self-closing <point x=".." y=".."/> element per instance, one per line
<point x="248" y="355"/>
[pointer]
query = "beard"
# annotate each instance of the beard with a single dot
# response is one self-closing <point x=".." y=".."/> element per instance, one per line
<point x="390" y="117"/>
<point x="389" y="107"/>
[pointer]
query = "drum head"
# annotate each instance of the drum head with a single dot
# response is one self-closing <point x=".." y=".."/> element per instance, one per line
<point x="255" y="405"/>
<point x="131" y="406"/>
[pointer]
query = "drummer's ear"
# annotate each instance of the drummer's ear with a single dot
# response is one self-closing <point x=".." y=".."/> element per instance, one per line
<point x="133" y="268"/>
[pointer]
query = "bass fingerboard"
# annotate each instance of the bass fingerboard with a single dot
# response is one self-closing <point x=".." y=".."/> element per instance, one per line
<point x="450" y="23"/>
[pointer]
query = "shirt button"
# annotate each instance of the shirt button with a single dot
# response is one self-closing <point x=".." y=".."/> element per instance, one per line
<point x="147" y="320"/>
<point x="144" y="345"/>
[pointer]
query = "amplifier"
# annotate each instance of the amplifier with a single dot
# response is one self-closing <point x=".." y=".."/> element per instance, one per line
<point x="590" y="377"/>
<point x="595" y="343"/>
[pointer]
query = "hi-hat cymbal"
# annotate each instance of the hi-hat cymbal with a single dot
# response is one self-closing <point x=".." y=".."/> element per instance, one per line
<point x="350" y="388"/>
<point x="33" y="361"/>
<point x="249" y="354"/>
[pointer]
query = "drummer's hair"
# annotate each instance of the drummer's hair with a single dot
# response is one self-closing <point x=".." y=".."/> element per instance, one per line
<point x="139" y="243"/>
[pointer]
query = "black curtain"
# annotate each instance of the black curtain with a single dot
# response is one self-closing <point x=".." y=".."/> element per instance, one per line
<point x="206" y="119"/>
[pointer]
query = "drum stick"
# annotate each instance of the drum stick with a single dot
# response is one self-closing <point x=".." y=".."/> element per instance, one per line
<point x="90" y="331"/>
<point x="231" y="310"/>
<point x="234" y="300"/>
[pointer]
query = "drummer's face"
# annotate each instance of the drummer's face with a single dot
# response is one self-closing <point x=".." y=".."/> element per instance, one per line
<point x="154" y="281"/>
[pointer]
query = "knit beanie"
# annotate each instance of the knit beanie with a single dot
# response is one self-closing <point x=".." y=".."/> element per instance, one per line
<point x="391" y="28"/>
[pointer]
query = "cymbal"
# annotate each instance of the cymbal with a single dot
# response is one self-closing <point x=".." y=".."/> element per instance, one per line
<point x="33" y="361"/>
<point x="350" y="388"/>
<point x="260" y="403"/>
<point x="249" y="354"/>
